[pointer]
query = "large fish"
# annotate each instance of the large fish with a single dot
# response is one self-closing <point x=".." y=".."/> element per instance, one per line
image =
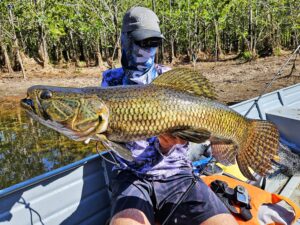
<point x="178" y="102"/>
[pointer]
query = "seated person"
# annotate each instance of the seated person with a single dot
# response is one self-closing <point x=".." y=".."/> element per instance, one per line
<point x="147" y="189"/>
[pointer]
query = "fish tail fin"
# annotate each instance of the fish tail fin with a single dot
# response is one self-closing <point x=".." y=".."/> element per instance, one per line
<point x="260" y="149"/>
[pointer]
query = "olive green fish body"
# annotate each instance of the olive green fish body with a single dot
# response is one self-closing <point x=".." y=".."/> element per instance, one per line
<point x="136" y="114"/>
<point x="179" y="102"/>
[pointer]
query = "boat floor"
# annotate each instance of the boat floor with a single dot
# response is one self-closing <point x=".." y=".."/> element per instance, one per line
<point x="282" y="185"/>
<point x="285" y="186"/>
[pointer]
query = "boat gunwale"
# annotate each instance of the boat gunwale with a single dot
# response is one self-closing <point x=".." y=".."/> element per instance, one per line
<point x="48" y="175"/>
<point x="244" y="102"/>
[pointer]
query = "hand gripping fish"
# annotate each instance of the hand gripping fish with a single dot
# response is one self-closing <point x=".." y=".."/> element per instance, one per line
<point x="179" y="102"/>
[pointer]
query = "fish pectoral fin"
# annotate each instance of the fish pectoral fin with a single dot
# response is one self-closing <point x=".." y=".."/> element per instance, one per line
<point x="117" y="148"/>
<point x="192" y="135"/>
<point x="224" y="153"/>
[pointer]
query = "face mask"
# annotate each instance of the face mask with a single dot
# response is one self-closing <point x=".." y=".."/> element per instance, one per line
<point x="142" y="58"/>
<point x="138" y="62"/>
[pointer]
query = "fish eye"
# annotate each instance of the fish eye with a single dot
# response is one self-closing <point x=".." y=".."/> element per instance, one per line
<point x="45" y="94"/>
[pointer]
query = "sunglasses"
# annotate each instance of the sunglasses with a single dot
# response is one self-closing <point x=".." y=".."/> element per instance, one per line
<point x="149" y="42"/>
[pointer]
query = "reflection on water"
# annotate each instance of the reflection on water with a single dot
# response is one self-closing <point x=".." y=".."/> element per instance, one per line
<point x="28" y="149"/>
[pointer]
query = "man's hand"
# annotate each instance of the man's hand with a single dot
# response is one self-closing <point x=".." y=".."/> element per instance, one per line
<point x="167" y="141"/>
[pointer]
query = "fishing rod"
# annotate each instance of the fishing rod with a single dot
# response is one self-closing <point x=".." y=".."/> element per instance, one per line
<point x="273" y="79"/>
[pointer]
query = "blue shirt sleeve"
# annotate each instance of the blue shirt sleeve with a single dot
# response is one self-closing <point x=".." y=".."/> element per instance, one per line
<point x="103" y="82"/>
<point x="112" y="77"/>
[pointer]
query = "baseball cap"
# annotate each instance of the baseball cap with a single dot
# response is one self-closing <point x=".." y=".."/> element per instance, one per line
<point x="141" y="23"/>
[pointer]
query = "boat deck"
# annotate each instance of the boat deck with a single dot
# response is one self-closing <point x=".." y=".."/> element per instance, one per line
<point x="286" y="186"/>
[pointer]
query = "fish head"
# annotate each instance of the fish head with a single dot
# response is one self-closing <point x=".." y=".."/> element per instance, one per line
<point x="70" y="111"/>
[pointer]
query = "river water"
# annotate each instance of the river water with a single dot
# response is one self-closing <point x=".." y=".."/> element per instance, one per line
<point x="28" y="149"/>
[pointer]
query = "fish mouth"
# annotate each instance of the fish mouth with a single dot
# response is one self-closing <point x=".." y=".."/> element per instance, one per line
<point x="45" y="119"/>
<point x="57" y="127"/>
<point x="28" y="105"/>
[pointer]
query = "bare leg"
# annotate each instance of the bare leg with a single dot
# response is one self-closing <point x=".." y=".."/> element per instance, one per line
<point x="130" y="217"/>
<point x="224" y="219"/>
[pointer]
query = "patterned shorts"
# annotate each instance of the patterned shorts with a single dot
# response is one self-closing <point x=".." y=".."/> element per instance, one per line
<point x="157" y="198"/>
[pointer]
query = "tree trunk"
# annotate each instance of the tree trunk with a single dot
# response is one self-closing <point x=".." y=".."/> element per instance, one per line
<point x="190" y="45"/>
<point x="68" y="58"/>
<point x="296" y="38"/>
<point x="23" y="45"/>
<point x="99" y="60"/>
<point x="254" y="34"/>
<point x="205" y="41"/>
<point x="218" y="49"/>
<point x="117" y="35"/>
<point x="162" y="49"/>
<point x="119" y="52"/>
<point x="86" y="55"/>
<point x="153" y="5"/>
<point x="250" y="28"/>
<point x="59" y="54"/>
<point x="6" y="59"/>
<point x="74" y="55"/>
<point x="43" y="53"/>
<point x="106" y="53"/>
<point x="19" y="58"/>
<point x="16" y="44"/>
<point x="171" y="53"/>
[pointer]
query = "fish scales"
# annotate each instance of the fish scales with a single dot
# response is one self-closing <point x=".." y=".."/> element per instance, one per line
<point x="165" y="110"/>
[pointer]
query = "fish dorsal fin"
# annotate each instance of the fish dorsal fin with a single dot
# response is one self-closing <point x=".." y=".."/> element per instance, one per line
<point x="193" y="135"/>
<point x="188" y="80"/>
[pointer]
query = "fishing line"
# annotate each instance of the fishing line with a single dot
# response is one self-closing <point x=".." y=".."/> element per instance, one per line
<point x="273" y="79"/>
<point x="106" y="159"/>
<point x="185" y="194"/>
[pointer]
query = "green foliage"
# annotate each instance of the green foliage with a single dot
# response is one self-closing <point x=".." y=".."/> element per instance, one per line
<point x="75" y="30"/>
<point x="247" y="56"/>
<point x="277" y="51"/>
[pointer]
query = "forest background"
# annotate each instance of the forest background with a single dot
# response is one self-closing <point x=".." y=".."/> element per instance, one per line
<point x="70" y="43"/>
<point x="87" y="32"/>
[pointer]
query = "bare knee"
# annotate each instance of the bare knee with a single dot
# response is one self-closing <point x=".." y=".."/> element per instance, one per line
<point x="129" y="217"/>
<point x="224" y="219"/>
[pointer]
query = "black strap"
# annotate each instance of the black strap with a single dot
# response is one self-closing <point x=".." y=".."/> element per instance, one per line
<point x="244" y="213"/>
<point x="264" y="182"/>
